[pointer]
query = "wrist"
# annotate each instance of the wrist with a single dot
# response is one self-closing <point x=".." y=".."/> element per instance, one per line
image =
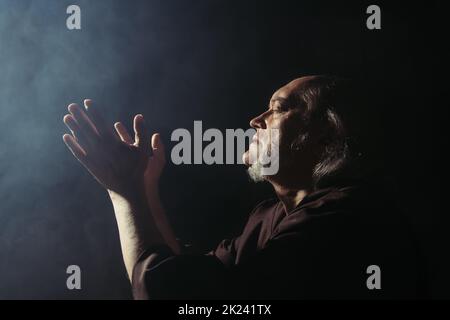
<point x="133" y="193"/>
<point x="132" y="210"/>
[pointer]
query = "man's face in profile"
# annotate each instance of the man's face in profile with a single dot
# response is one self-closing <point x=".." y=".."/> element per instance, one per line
<point x="283" y="116"/>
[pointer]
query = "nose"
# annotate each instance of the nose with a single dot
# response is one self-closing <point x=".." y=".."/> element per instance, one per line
<point x="258" y="122"/>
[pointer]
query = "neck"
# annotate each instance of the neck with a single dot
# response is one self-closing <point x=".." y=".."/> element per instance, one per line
<point x="290" y="196"/>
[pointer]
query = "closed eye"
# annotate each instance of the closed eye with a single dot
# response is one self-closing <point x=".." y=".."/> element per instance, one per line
<point x="279" y="109"/>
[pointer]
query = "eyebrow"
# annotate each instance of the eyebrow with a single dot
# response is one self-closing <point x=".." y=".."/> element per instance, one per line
<point x="283" y="101"/>
<point x="279" y="99"/>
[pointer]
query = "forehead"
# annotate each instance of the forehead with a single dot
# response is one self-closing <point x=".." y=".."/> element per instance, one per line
<point x="286" y="91"/>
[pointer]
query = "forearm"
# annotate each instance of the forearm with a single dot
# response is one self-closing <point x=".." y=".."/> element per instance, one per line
<point x="137" y="229"/>
<point x="161" y="219"/>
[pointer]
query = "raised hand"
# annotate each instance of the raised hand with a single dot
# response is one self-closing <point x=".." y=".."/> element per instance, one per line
<point x="117" y="165"/>
<point x="156" y="161"/>
<point x="155" y="165"/>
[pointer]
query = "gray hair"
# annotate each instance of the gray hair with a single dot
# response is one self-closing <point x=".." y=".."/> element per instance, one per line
<point x="326" y="99"/>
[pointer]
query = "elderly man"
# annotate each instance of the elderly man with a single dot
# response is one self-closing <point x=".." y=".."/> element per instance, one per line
<point x="322" y="236"/>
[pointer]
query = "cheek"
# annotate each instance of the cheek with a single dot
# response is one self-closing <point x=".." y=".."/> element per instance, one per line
<point x="276" y="136"/>
<point x="289" y="131"/>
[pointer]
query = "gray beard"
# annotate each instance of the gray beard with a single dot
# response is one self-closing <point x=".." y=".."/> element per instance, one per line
<point x="255" y="172"/>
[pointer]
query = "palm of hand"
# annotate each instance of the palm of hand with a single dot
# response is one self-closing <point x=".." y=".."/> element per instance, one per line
<point x="117" y="162"/>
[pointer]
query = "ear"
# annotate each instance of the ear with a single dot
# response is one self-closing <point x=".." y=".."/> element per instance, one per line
<point x="323" y="139"/>
<point x="299" y="141"/>
<point x="319" y="134"/>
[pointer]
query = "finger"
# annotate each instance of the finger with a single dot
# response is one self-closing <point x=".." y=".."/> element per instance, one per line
<point x="70" y="122"/>
<point x="140" y="133"/>
<point x="123" y="133"/>
<point x="84" y="123"/>
<point x="74" y="147"/>
<point x="96" y="118"/>
<point x="158" y="147"/>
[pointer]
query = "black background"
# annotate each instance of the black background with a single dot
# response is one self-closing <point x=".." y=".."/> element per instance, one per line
<point x="215" y="61"/>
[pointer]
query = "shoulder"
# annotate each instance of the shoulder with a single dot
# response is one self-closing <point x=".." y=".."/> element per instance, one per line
<point x="262" y="216"/>
<point x="264" y="207"/>
<point x="266" y="204"/>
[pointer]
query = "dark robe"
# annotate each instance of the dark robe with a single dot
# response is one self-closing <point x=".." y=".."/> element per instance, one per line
<point x="320" y="250"/>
